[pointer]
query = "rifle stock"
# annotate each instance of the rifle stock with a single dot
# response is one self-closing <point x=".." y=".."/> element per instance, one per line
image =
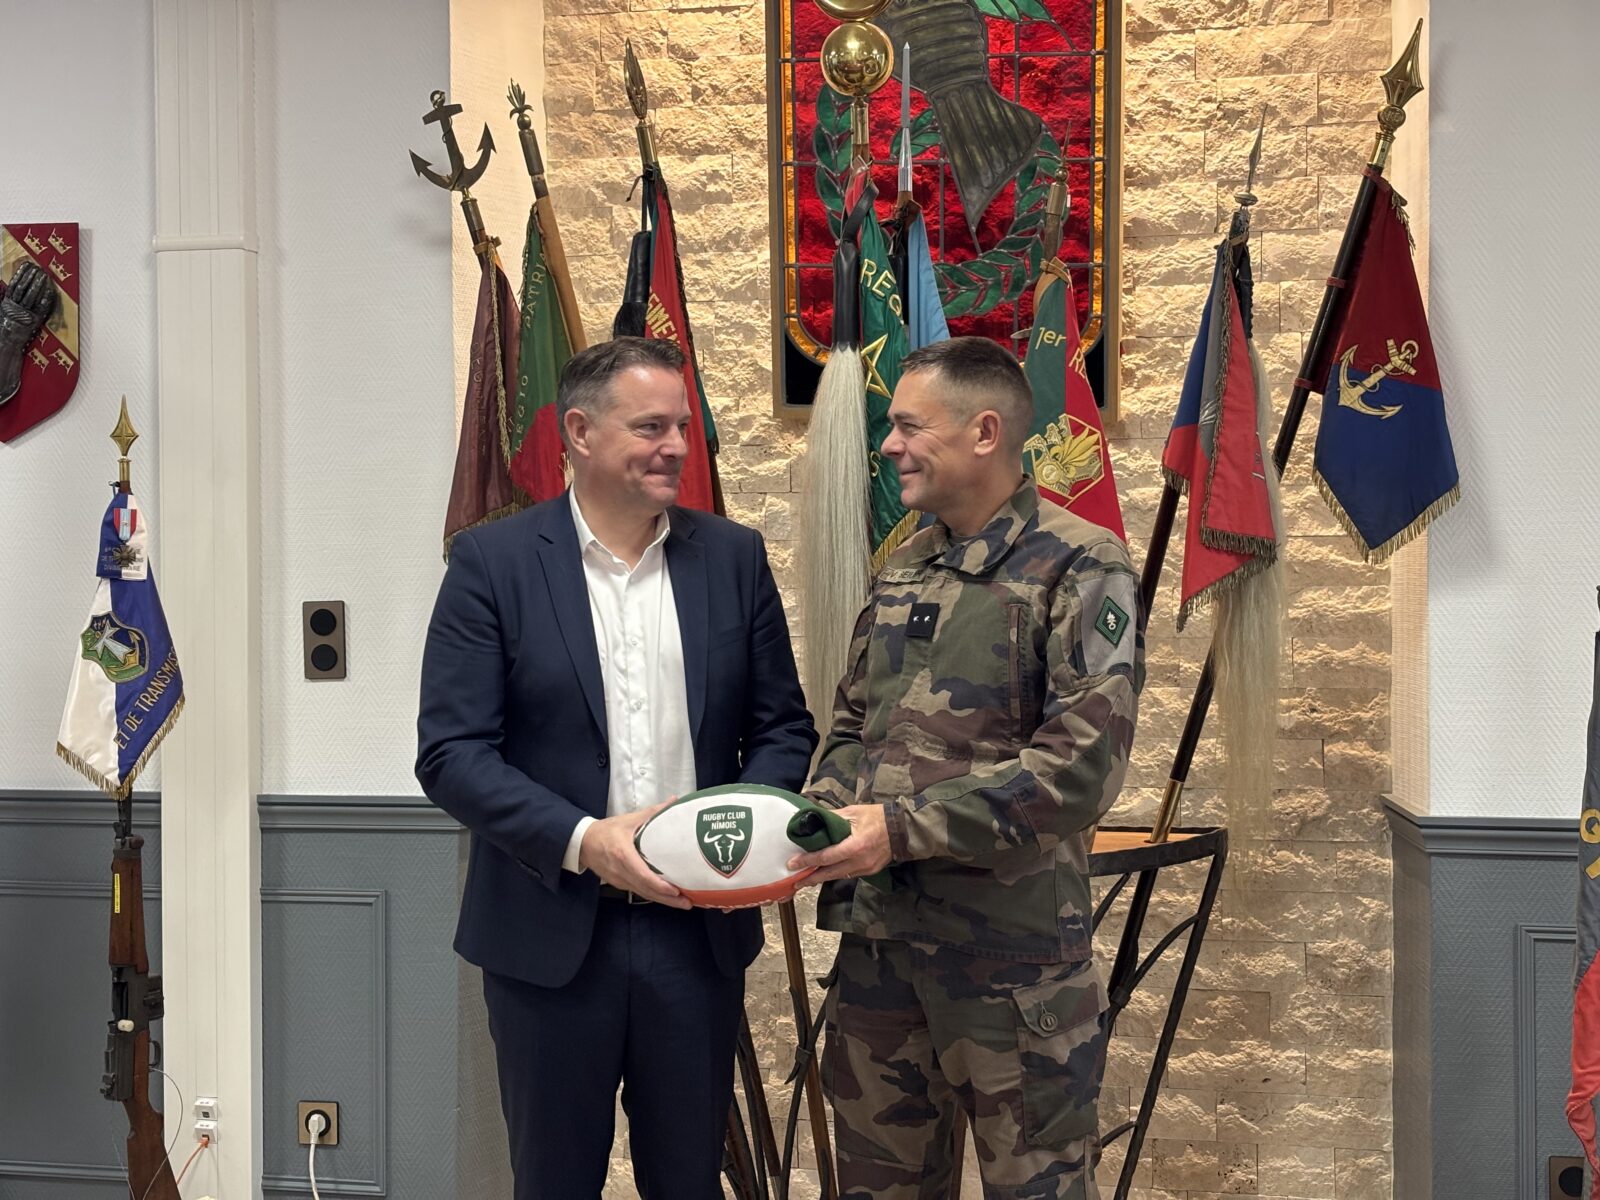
<point x="135" y="1002"/>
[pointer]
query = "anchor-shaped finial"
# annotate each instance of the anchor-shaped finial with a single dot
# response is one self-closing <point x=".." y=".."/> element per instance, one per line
<point x="461" y="176"/>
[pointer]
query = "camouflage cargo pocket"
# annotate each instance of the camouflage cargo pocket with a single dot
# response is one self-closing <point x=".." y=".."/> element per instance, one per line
<point x="1061" y="1044"/>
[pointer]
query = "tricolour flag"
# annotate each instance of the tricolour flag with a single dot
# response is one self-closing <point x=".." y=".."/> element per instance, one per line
<point x="482" y="489"/>
<point x="126" y="689"/>
<point x="1213" y="452"/>
<point x="1583" y="1101"/>
<point x="543" y="349"/>
<point x="883" y="346"/>
<point x="1384" y="461"/>
<point x="1066" y="451"/>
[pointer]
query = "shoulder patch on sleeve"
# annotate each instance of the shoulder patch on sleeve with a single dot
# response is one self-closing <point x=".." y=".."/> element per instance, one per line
<point x="1106" y="627"/>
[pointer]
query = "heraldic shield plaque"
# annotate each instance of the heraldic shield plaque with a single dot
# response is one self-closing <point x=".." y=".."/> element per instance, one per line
<point x="1002" y="92"/>
<point x="40" y="359"/>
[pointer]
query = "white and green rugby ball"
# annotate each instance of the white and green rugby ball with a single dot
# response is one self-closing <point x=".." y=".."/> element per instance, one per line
<point x="727" y="847"/>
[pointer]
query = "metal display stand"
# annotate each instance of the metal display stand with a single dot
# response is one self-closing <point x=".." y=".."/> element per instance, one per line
<point x="1126" y="854"/>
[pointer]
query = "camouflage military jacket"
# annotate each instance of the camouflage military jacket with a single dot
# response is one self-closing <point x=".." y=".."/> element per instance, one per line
<point x="989" y="707"/>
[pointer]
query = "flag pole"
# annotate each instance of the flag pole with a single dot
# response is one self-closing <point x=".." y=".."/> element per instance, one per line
<point x="1401" y="82"/>
<point x="555" y="254"/>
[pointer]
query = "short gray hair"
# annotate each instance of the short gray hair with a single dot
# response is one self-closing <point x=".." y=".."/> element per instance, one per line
<point x="586" y="380"/>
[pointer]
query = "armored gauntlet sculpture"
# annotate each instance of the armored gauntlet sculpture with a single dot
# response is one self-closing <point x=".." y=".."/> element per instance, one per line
<point x="26" y="305"/>
<point x="987" y="138"/>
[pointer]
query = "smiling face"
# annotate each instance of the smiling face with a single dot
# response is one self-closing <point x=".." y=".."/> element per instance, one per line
<point x="632" y="449"/>
<point x="943" y="453"/>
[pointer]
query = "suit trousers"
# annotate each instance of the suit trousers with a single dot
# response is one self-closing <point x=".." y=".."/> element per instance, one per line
<point x="649" y="1010"/>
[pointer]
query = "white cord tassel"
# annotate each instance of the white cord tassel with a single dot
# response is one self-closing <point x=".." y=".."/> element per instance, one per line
<point x="835" y="545"/>
<point x="1248" y="645"/>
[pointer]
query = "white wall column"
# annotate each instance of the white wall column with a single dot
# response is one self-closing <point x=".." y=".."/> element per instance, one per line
<point x="207" y="373"/>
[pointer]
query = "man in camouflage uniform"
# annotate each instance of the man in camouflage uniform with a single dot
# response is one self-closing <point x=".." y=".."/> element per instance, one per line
<point x="983" y="727"/>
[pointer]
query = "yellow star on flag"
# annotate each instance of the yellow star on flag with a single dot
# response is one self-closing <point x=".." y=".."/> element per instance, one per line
<point x="870" y="354"/>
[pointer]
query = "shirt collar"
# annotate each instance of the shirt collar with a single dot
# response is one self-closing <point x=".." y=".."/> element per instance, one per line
<point x="587" y="539"/>
<point x="982" y="552"/>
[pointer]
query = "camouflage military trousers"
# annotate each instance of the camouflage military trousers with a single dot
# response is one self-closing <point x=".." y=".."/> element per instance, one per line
<point x="912" y="1032"/>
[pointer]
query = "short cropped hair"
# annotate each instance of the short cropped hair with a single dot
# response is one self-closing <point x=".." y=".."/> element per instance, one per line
<point x="977" y="374"/>
<point x="586" y="381"/>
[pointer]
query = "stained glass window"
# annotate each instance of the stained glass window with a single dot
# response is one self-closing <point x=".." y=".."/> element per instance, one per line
<point x="988" y="126"/>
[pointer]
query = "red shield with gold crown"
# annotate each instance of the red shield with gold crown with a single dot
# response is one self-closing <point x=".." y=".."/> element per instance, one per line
<point x="51" y="360"/>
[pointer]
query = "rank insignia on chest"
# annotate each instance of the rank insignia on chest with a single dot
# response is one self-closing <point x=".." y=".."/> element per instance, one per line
<point x="924" y="618"/>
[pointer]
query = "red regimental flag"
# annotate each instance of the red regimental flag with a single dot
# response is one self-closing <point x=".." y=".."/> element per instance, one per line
<point x="1066" y="450"/>
<point x="1583" y="1101"/>
<point x="666" y="318"/>
<point x="50" y="363"/>
<point x="481" y="489"/>
<point x="1214" y="453"/>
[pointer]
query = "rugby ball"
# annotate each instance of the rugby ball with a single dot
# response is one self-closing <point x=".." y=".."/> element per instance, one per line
<point x="729" y="846"/>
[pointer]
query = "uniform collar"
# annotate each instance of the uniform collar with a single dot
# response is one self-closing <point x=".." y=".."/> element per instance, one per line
<point x="982" y="552"/>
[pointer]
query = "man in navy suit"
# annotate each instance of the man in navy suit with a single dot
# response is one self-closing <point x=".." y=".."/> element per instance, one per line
<point x="589" y="659"/>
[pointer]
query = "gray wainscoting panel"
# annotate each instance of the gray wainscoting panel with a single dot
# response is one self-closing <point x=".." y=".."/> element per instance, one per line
<point x="1483" y="1003"/>
<point x="366" y="1004"/>
<point x="59" y="1140"/>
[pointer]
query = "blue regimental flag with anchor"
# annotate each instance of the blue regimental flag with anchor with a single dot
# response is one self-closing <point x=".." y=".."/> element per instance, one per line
<point x="126" y="689"/>
<point x="1384" y="461"/>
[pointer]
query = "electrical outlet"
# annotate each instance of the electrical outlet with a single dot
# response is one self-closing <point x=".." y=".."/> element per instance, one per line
<point x="1566" y="1177"/>
<point x="329" y="1109"/>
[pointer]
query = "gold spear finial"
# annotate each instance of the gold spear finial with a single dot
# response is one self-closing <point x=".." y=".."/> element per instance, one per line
<point x="1055" y="205"/>
<point x="124" y="435"/>
<point x="639" y="101"/>
<point x="1401" y="83"/>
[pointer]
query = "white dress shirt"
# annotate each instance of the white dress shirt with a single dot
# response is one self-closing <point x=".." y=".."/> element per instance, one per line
<point x="641" y="665"/>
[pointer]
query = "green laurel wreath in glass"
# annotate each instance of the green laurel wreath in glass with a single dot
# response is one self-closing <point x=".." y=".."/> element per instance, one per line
<point x="1000" y="274"/>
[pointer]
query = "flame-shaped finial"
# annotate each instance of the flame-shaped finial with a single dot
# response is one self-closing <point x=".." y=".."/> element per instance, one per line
<point x="1401" y="83"/>
<point x="1248" y="197"/>
<point x="124" y="435"/>
<point x="639" y="101"/>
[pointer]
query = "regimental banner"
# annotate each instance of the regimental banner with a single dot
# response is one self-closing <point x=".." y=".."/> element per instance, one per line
<point x="51" y="361"/>
<point x="1032" y="82"/>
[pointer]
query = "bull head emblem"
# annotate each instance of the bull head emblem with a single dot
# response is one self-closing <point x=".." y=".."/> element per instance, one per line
<point x="725" y="836"/>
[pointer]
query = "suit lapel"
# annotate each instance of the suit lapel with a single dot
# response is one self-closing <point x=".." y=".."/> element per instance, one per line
<point x="569" y="597"/>
<point x="686" y="562"/>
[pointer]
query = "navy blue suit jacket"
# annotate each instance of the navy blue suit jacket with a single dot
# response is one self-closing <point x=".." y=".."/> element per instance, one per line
<point x="512" y="727"/>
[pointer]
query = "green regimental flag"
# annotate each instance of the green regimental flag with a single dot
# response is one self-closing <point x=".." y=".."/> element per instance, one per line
<point x="883" y="345"/>
<point x="536" y="463"/>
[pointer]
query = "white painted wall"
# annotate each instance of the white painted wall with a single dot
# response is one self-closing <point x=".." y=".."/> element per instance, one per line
<point x="80" y="148"/>
<point x="1515" y="292"/>
<point x="357" y="378"/>
<point x="366" y="292"/>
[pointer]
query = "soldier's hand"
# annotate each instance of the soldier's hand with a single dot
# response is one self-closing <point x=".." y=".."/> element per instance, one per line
<point x="27" y="304"/>
<point x="607" y="849"/>
<point x="864" y="852"/>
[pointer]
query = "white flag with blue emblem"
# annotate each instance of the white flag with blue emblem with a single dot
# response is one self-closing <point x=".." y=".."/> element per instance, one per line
<point x="126" y="689"/>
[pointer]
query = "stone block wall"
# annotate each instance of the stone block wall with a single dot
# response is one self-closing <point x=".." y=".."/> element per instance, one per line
<point x="1279" y="1084"/>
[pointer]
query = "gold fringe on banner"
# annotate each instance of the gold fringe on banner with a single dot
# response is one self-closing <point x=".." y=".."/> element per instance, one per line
<point x="120" y="791"/>
<point x="891" y="542"/>
<point x="1377" y="555"/>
